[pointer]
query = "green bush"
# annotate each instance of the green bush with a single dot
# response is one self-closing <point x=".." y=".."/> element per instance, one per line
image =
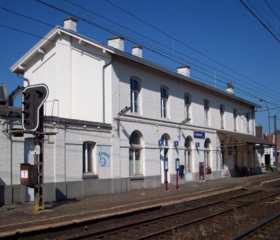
<point x="269" y="168"/>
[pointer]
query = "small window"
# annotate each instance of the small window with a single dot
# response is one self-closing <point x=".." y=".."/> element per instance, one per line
<point x="164" y="98"/>
<point x="222" y="113"/>
<point x="187" y="106"/>
<point x="235" y="119"/>
<point x="89" y="157"/>
<point x="206" y="112"/>
<point x="134" y="95"/>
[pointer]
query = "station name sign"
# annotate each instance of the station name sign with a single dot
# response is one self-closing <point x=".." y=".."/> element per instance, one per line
<point x="199" y="135"/>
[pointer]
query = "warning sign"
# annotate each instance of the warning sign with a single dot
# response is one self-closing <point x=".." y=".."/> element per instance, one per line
<point x="24" y="174"/>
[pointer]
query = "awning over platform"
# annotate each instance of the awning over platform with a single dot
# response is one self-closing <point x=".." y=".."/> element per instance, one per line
<point x="246" y="138"/>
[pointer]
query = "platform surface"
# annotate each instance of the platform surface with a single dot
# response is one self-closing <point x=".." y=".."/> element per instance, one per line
<point x="19" y="218"/>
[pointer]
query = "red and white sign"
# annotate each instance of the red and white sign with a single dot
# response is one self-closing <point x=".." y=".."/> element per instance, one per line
<point x="24" y="174"/>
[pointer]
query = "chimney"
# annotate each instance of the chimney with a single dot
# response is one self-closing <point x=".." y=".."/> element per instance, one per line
<point x="137" y="51"/>
<point x="184" y="70"/>
<point x="230" y="88"/>
<point x="70" y="23"/>
<point x="116" y="42"/>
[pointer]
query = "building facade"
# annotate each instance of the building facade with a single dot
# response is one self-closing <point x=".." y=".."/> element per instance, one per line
<point x="117" y="116"/>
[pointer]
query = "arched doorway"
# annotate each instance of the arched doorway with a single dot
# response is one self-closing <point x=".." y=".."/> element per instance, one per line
<point x="164" y="154"/>
<point x="207" y="156"/>
<point x="135" y="154"/>
<point x="188" y="159"/>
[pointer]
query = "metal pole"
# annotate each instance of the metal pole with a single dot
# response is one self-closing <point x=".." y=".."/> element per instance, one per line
<point x="166" y="182"/>
<point x="261" y="100"/>
<point x="275" y="134"/>
<point x="177" y="180"/>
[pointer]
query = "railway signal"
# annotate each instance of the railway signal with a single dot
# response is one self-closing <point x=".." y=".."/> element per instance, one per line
<point x="33" y="97"/>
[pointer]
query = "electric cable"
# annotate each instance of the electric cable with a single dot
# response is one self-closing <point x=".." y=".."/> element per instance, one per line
<point x="185" y="44"/>
<point x="260" y="21"/>
<point x="171" y="59"/>
<point x="164" y="46"/>
<point x="132" y="35"/>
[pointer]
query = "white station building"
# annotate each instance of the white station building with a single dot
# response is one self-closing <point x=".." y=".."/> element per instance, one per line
<point x="117" y="116"/>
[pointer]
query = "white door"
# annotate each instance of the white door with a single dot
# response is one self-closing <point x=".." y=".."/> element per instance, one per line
<point x="188" y="174"/>
<point x="164" y="155"/>
<point x="28" y="158"/>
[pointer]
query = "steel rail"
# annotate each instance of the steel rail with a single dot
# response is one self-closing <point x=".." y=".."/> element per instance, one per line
<point x="201" y="219"/>
<point x="256" y="227"/>
<point x="160" y="217"/>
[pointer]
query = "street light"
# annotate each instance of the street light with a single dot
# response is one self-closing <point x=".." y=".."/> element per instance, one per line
<point x="261" y="100"/>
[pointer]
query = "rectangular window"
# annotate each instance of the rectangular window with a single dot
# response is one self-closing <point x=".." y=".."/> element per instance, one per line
<point x="222" y="116"/>
<point x="134" y="95"/>
<point x="248" y="122"/>
<point x="163" y="103"/>
<point x="163" y="108"/>
<point x="187" y="107"/>
<point x="135" y="165"/>
<point x="134" y="101"/>
<point x="235" y="119"/>
<point x="206" y="112"/>
<point x="88" y="157"/>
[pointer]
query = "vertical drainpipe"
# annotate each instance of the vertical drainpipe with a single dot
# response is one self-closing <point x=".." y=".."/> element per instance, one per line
<point x="103" y="83"/>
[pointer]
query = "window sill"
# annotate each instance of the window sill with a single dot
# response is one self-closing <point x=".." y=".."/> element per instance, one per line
<point x="136" y="177"/>
<point x="89" y="175"/>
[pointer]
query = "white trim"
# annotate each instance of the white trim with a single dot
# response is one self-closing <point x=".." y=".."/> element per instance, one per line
<point x="59" y="32"/>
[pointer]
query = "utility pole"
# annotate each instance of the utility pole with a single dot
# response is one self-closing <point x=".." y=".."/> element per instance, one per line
<point x="275" y="141"/>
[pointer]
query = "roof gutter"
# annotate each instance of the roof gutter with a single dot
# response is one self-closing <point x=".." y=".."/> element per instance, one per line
<point x="25" y="79"/>
<point x="103" y="83"/>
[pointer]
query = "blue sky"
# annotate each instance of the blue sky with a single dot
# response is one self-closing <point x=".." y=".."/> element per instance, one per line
<point x="223" y="30"/>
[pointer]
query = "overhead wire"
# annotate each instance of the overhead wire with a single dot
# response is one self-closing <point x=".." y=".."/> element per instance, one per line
<point x="185" y="43"/>
<point x="53" y="26"/>
<point x="272" y="9"/>
<point x="260" y="21"/>
<point x="162" y="45"/>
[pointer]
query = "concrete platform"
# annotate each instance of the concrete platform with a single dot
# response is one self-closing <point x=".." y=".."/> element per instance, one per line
<point x="21" y="218"/>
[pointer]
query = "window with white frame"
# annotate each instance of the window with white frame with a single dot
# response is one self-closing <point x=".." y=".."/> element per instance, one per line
<point x="248" y="122"/>
<point x="88" y="157"/>
<point x="187" y="100"/>
<point x="134" y="95"/>
<point x="222" y="113"/>
<point x="235" y="119"/>
<point x="206" y="112"/>
<point x="163" y="101"/>
<point x="135" y="158"/>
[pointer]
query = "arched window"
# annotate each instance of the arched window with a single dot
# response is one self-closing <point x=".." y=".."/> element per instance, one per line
<point x="89" y="157"/>
<point x="207" y="160"/>
<point x="187" y="99"/>
<point x="222" y="113"/>
<point x="134" y="95"/>
<point x="206" y="112"/>
<point x="135" y="161"/>
<point x="188" y="159"/>
<point x="235" y="119"/>
<point x="163" y="101"/>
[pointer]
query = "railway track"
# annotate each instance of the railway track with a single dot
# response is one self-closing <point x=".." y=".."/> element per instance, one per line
<point x="269" y="229"/>
<point x="164" y="226"/>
